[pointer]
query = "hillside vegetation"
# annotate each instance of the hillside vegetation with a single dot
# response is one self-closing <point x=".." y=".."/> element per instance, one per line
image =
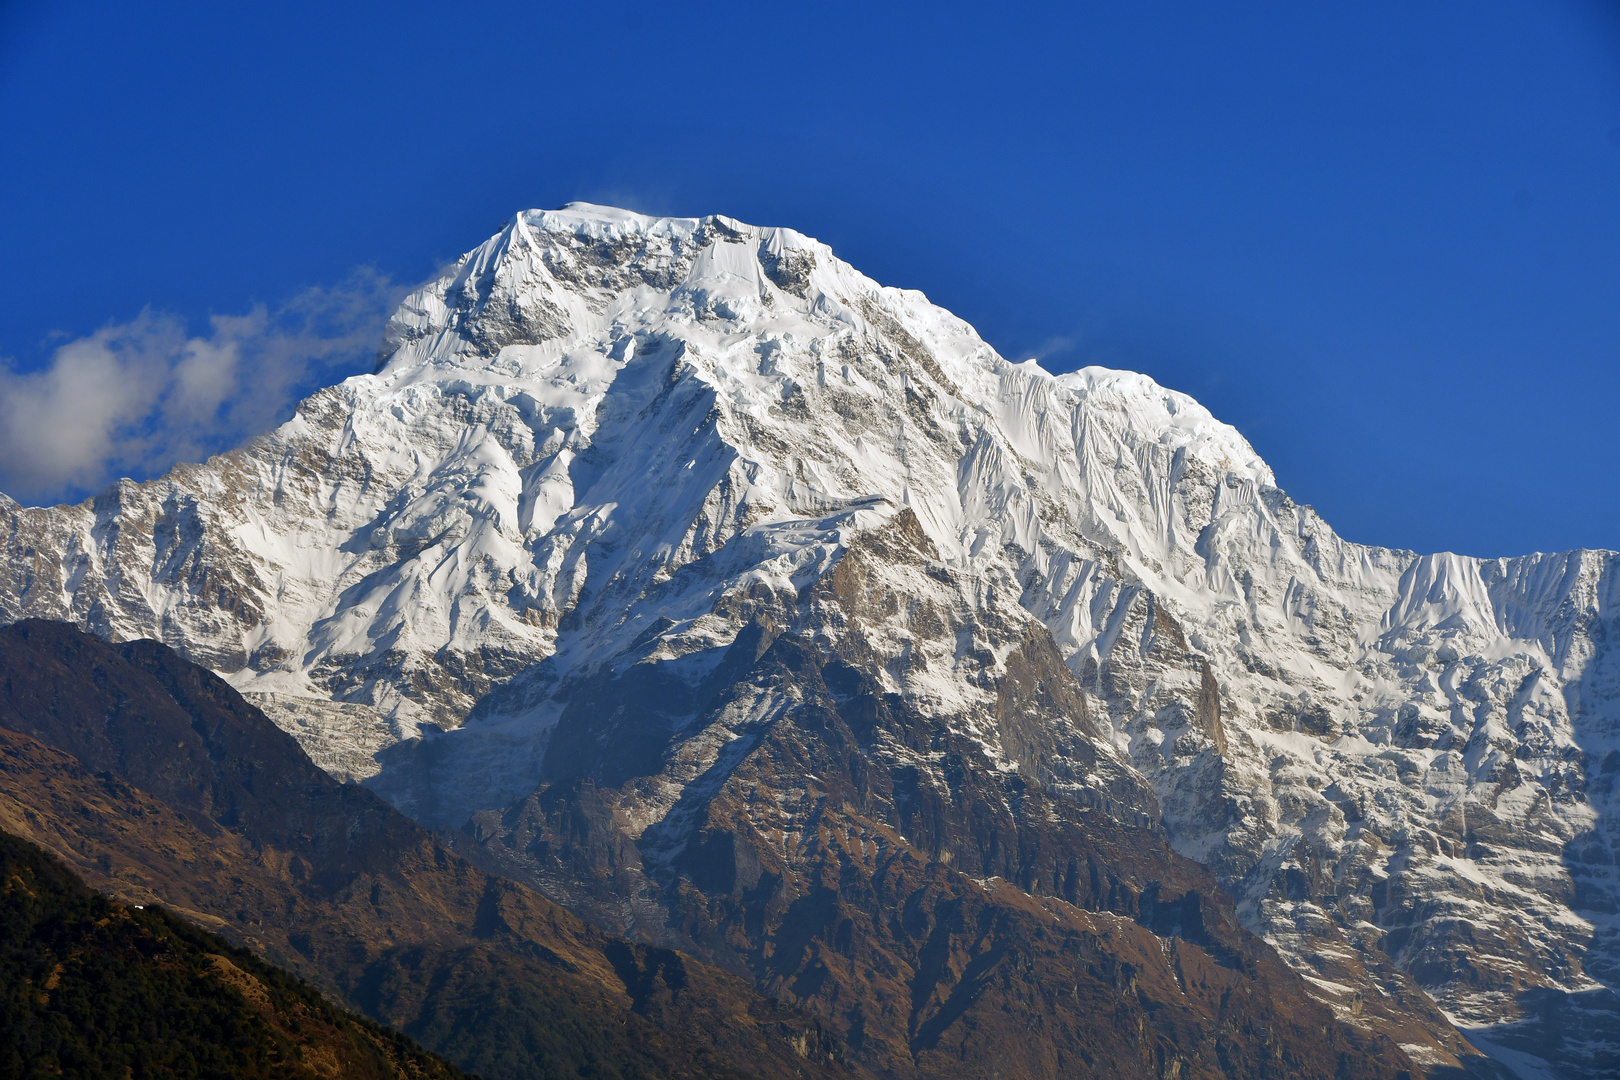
<point x="92" y="987"/>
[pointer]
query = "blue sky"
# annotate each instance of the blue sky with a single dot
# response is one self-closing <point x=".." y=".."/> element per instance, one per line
<point x="1381" y="239"/>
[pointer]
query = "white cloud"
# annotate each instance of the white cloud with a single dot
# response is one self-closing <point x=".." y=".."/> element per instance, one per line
<point x="134" y="398"/>
<point x="1054" y="347"/>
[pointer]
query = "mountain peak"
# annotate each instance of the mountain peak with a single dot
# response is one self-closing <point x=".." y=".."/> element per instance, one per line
<point x="614" y="454"/>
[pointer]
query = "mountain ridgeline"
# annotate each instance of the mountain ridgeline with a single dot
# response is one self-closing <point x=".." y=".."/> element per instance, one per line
<point x="765" y="617"/>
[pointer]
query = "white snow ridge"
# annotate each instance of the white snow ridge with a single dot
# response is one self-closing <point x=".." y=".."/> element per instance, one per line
<point x="588" y="438"/>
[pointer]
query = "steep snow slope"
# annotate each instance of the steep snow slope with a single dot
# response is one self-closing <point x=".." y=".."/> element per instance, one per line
<point x="600" y="446"/>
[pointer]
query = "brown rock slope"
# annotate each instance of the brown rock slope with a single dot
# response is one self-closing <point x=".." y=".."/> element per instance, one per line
<point x="869" y="863"/>
<point x="92" y="988"/>
<point x="155" y="781"/>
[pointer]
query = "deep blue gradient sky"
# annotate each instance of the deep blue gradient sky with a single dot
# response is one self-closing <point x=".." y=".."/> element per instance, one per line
<point x="1383" y="240"/>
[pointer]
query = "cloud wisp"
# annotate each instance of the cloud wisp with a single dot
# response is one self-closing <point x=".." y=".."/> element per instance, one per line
<point x="133" y="398"/>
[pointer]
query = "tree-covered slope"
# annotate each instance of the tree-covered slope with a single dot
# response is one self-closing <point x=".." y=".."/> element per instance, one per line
<point x="92" y="987"/>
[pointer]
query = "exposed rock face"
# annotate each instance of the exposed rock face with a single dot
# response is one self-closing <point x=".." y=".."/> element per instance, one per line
<point x="611" y="466"/>
<point x="864" y="863"/>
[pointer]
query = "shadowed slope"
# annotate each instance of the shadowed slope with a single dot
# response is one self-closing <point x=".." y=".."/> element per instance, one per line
<point x="161" y="784"/>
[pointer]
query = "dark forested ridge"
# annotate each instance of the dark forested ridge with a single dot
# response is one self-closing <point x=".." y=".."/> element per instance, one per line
<point x="91" y="987"/>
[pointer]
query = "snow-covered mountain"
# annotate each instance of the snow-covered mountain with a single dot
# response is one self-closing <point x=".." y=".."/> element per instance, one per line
<point x="606" y="455"/>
